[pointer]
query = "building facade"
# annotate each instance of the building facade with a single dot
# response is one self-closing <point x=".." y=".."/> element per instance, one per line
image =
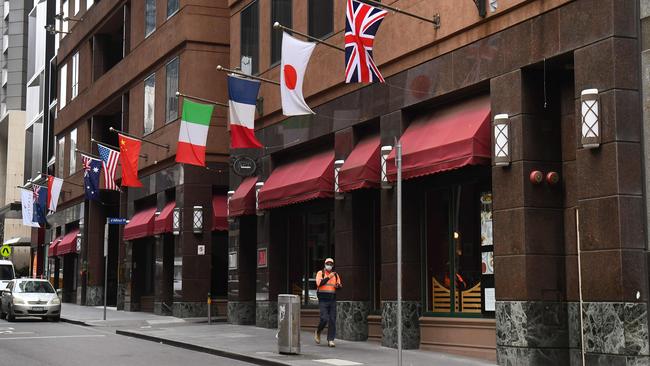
<point x="517" y="207"/>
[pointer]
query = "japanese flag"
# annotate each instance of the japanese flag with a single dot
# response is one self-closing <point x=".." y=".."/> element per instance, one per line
<point x="295" y="57"/>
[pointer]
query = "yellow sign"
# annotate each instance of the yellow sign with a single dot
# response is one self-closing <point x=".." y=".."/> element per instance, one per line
<point x="5" y="251"/>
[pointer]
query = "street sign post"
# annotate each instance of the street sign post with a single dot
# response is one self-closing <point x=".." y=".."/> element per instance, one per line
<point x="109" y="221"/>
<point x="5" y="251"/>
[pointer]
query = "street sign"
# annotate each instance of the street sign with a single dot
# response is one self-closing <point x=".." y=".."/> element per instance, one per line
<point x="5" y="251"/>
<point x="117" y="221"/>
<point x="201" y="250"/>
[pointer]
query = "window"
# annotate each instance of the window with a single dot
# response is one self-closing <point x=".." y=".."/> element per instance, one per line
<point x="171" y="107"/>
<point x="149" y="103"/>
<point x="73" y="152"/>
<point x="60" y="157"/>
<point x="172" y="7"/>
<point x="321" y="18"/>
<point x="149" y="17"/>
<point x="89" y="3"/>
<point x="77" y="6"/>
<point x="63" y="85"/>
<point x="57" y="25"/>
<point x="280" y="12"/>
<point x="75" y="75"/>
<point x="250" y="29"/>
<point x="66" y="9"/>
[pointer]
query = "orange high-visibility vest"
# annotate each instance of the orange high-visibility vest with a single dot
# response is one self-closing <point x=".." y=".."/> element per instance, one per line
<point x="330" y="286"/>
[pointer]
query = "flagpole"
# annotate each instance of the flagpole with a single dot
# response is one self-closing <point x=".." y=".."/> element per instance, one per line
<point x="279" y="26"/>
<point x="221" y="68"/>
<point x="202" y="100"/>
<point x="435" y="21"/>
<point x="138" y="138"/>
<point x="144" y="156"/>
<point x="88" y="154"/>
<point x="64" y="181"/>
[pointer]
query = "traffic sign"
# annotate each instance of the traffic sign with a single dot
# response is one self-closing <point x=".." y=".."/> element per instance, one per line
<point x="117" y="221"/>
<point x="5" y="251"/>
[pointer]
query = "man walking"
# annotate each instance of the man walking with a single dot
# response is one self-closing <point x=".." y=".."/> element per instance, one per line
<point x="327" y="281"/>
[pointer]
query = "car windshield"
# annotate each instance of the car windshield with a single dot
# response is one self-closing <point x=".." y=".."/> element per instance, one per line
<point x="6" y="272"/>
<point x="39" y="287"/>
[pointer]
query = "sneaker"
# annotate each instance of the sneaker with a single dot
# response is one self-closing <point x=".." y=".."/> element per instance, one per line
<point x="317" y="337"/>
<point x="331" y="344"/>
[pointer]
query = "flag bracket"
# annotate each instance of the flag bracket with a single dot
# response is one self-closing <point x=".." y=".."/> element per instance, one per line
<point x="202" y="99"/>
<point x="88" y="154"/>
<point x="166" y="146"/>
<point x="278" y="26"/>
<point x="144" y="156"/>
<point x="435" y="20"/>
<point x="224" y="69"/>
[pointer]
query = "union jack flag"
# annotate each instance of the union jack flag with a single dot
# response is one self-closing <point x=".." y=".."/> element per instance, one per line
<point x="36" y="190"/>
<point x="361" y="24"/>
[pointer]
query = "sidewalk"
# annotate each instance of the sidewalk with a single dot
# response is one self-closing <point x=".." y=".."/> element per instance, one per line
<point x="259" y="346"/>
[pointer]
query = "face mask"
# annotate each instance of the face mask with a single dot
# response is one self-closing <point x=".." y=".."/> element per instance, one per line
<point x="328" y="267"/>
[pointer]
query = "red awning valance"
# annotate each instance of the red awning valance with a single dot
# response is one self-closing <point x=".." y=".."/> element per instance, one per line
<point x="361" y="169"/>
<point x="242" y="201"/>
<point x="219" y="213"/>
<point x="68" y="243"/>
<point x="448" y="139"/>
<point x="298" y="181"/>
<point x="163" y="222"/>
<point x="141" y="224"/>
<point x="51" y="252"/>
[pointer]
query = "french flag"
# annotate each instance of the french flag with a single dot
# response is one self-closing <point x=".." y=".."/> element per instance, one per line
<point x="243" y="98"/>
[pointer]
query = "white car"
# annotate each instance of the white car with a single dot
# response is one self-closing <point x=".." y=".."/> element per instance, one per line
<point x="7" y="273"/>
<point x="30" y="297"/>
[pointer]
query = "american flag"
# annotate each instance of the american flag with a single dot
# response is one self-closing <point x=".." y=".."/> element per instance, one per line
<point x="110" y="158"/>
<point x="361" y="24"/>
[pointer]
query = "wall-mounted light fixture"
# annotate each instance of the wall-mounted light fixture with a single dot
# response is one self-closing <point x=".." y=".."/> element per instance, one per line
<point x="230" y="194"/>
<point x="385" y="151"/>
<point x="337" y="189"/>
<point x="176" y="221"/>
<point x="197" y="219"/>
<point x="51" y="30"/>
<point x="258" y="188"/>
<point x="590" y="126"/>
<point x="501" y="129"/>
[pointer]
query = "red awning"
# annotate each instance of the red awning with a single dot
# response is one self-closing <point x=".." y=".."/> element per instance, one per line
<point x="141" y="224"/>
<point x="242" y="201"/>
<point x="68" y="243"/>
<point x="448" y="139"/>
<point x="51" y="252"/>
<point x="219" y="213"/>
<point x="163" y="223"/>
<point x="361" y="169"/>
<point x="298" y="181"/>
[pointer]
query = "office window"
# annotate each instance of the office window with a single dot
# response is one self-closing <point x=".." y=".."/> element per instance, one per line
<point x="280" y="12"/>
<point x="60" y="157"/>
<point x="250" y="30"/>
<point x="57" y="25"/>
<point x="149" y="17"/>
<point x="321" y="18"/>
<point x="65" y="12"/>
<point x="172" y="7"/>
<point x="171" y="108"/>
<point x="77" y="6"/>
<point x="149" y="102"/>
<point x="89" y="3"/>
<point x="75" y="75"/>
<point x="73" y="153"/>
<point x="63" y="85"/>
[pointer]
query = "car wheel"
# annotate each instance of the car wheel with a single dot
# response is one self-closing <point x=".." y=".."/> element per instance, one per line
<point x="3" y="315"/>
<point x="10" y="316"/>
<point x="56" y="318"/>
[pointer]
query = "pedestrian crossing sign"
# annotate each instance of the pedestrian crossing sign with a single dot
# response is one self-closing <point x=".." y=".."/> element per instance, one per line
<point x="5" y="251"/>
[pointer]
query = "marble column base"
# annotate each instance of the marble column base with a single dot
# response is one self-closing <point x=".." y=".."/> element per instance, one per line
<point x="352" y="320"/>
<point x="190" y="309"/>
<point x="121" y="291"/>
<point x="241" y="312"/>
<point x="266" y="314"/>
<point x="615" y="328"/>
<point x="94" y="295"/>
<point x="410" y="324"/>
<point x="159" y="308"/>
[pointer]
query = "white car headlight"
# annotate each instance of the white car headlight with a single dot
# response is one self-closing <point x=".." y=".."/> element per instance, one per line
<point x="55" y="301"/>
<point x="18" y="301"/>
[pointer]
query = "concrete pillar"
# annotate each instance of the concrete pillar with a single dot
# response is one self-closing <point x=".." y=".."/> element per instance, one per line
<point x="242" y="238"/>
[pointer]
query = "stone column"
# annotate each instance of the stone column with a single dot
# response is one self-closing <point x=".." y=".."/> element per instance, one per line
<point x="611" y="206"/>
<point x="94" y="253"/>
<point x="392" y="125"/>
<point x="242" y="238"/>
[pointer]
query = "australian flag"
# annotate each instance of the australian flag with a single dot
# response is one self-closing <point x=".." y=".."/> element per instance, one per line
<point x="40" y="204"/>
<point x="92" y="170"/>
<point x="361" y="24"/>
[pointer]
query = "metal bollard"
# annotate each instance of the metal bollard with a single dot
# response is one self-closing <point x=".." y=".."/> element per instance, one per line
<point x="209" y="309"/>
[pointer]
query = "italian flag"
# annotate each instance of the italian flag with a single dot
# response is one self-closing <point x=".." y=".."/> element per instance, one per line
<point x="193" y="133"/>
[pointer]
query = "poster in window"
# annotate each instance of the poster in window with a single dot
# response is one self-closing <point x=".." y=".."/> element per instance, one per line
<point x="490" y="300"/>
<point x="486" y="219"/>
<point x="487" y="263"/>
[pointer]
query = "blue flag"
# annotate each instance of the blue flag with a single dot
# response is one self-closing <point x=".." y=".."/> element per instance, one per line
<point x="92" y="170"/>
<point x="40" y="204"/>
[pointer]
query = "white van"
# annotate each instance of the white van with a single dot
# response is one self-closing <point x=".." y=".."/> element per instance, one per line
<point x="7" y="273"/>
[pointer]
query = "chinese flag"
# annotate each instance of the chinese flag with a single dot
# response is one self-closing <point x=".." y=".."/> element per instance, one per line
<point x="130" y="152"/>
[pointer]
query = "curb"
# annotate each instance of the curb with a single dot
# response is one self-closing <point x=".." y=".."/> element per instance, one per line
<point x="212" y="351"/>
<point x="75" y="322"/>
